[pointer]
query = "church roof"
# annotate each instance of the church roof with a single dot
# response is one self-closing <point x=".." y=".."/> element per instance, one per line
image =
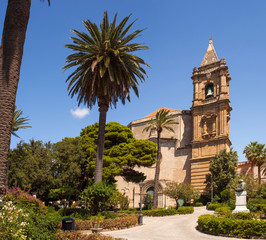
<point x="210" y="55"/>
<point x="154" y="113"/>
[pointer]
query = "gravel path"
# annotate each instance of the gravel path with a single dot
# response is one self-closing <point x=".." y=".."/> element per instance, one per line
<point x="176" y="227"/>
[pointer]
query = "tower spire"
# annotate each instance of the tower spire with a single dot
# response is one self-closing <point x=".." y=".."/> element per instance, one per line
<point x="210" y="55"/>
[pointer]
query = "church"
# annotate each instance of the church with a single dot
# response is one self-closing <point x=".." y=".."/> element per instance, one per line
<point x="201" y="133"/>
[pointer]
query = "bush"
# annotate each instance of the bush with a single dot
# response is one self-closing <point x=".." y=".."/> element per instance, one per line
<point x="185" y="210"/>
<point x="25" y="201"/>
<point x="215" y="205"/>
<point x="78" y="213"/>
<point x="110" y="215"/>
<point x="67" y="235"/>
<point x="43" y="227"/>
<point x="111" y="224"/>
<point x="232" y="227"/>
<point x="13" y="222"/>
<point x="98" y="195"/>
<point x="222" y="211"/>
<point x="166" y="212"/>
<point x="198" y="204"/>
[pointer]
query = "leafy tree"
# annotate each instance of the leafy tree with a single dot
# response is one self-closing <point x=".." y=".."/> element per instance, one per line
<point x="256" y="154"/>
<point x="223" y="170"/>
<point x="69" y="167"/>
<point x="11" y="52"/>
<point x="106" y="70"/>
<point x="161" y="121"/>
<point x="97" y="196"/>
<point x="64" y="169"/>
<point x="121" y="154"/>
<point x="30" y="167"/>
<point x="183" y="191"/>
<point x="19" y="122"/>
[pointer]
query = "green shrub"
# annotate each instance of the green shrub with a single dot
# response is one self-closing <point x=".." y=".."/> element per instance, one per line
<point x="170" y="211"/>
<point x="67" y="235"/>
<point x="232" y="227"/>
<point x="185" y="210"/>
<point x="78" y="213"/>
<point x="43" y="227"/>
<point x="214" y="205"/>
<point x="110" y="215"/>
<point x="223" y="211"/>
<point x="160" y="212"/>
<point x="243" y="216"/>
<point x="148" y="202"/>
<point x="98" y="197"/>
<point x="198" y="204"/>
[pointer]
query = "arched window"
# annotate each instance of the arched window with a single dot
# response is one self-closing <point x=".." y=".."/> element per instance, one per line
<point x="209" y="91"/>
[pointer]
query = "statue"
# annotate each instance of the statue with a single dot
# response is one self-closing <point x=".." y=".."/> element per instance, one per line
<point x="241" y="186"/>
<point x="241" y="197"/>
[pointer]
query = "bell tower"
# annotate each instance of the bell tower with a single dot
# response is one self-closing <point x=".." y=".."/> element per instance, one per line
<point x="211" y="114"/>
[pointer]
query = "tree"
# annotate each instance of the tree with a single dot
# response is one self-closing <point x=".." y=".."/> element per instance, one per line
<point x="183" y="191"/>
<point x="256" y="154"/>
<point x="30" y="168"/>
<point x="122" y="152"/>
<point x="65" y="169"/>
<point x="11" y="52"/>
<point x="223" y="170"/>
<point x="19" y="122"/>
<point x="161" y="121"/>
<point x="106" y="70"/>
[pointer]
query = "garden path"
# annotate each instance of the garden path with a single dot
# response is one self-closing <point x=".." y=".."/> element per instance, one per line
<point x="177" y="227"/>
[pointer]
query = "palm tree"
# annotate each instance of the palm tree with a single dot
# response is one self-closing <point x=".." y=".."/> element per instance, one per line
<point x="161" y="121"/>
<point x="19" y="122"/>
<point x="256" y="154"/>
<point x="106" y="70"/>
<point x="11" y="51"/>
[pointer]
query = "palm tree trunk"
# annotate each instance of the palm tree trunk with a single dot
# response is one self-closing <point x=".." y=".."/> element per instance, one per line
<point x="103" y="108"/>
<point x="259" y="175"/>
<point x="157" y="172"/>
<point x="11" y="51"/>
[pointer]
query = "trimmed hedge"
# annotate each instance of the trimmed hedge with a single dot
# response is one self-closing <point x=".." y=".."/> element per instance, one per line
<point x="160" y="212"/>
<point x="185" y="210"/>
<point x="69" y="235"/>
<point x="110" y="224"/>
<point x="232" y="227"/>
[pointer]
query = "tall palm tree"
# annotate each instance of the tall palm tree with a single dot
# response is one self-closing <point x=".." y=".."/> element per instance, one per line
<point x="256" y="154"/>
<point x="105" y="71"/>
<point x="161" y="121"/>
<point x="19" y="122"/>
<point x="11" y="51"/>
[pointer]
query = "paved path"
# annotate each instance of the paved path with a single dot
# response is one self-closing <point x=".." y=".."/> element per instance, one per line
<point x="176" y="227"/>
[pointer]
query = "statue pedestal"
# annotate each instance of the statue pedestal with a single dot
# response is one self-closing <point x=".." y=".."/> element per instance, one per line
<point x="241" y="202"/>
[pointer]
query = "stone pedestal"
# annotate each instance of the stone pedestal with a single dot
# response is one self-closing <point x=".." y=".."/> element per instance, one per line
<point x="241" y="202"/>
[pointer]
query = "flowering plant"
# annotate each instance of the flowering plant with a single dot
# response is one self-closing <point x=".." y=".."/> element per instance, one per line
<point x="13" y="222"/>
<point x="25" y="200"/>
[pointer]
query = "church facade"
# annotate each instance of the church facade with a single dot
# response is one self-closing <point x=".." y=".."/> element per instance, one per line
<point x="200" y="134"/>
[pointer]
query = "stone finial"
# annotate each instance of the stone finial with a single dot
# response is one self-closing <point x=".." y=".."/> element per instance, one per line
<point x="210" y="55"/>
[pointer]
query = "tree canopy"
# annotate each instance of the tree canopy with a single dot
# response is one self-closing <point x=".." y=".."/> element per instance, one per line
<point x="66" y="168"/>
<point x="183" y="191"/>
<point x="223" y="170"/>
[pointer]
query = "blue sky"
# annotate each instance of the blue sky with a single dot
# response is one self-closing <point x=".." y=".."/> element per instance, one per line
<point x="177" y="34"/>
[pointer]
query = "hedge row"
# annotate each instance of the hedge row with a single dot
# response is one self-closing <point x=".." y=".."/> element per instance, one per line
<point x="69" y="235"/>
<point x="232" y="227"/>
<point x="162" y="211"/>
<point x="110" y="224"/>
